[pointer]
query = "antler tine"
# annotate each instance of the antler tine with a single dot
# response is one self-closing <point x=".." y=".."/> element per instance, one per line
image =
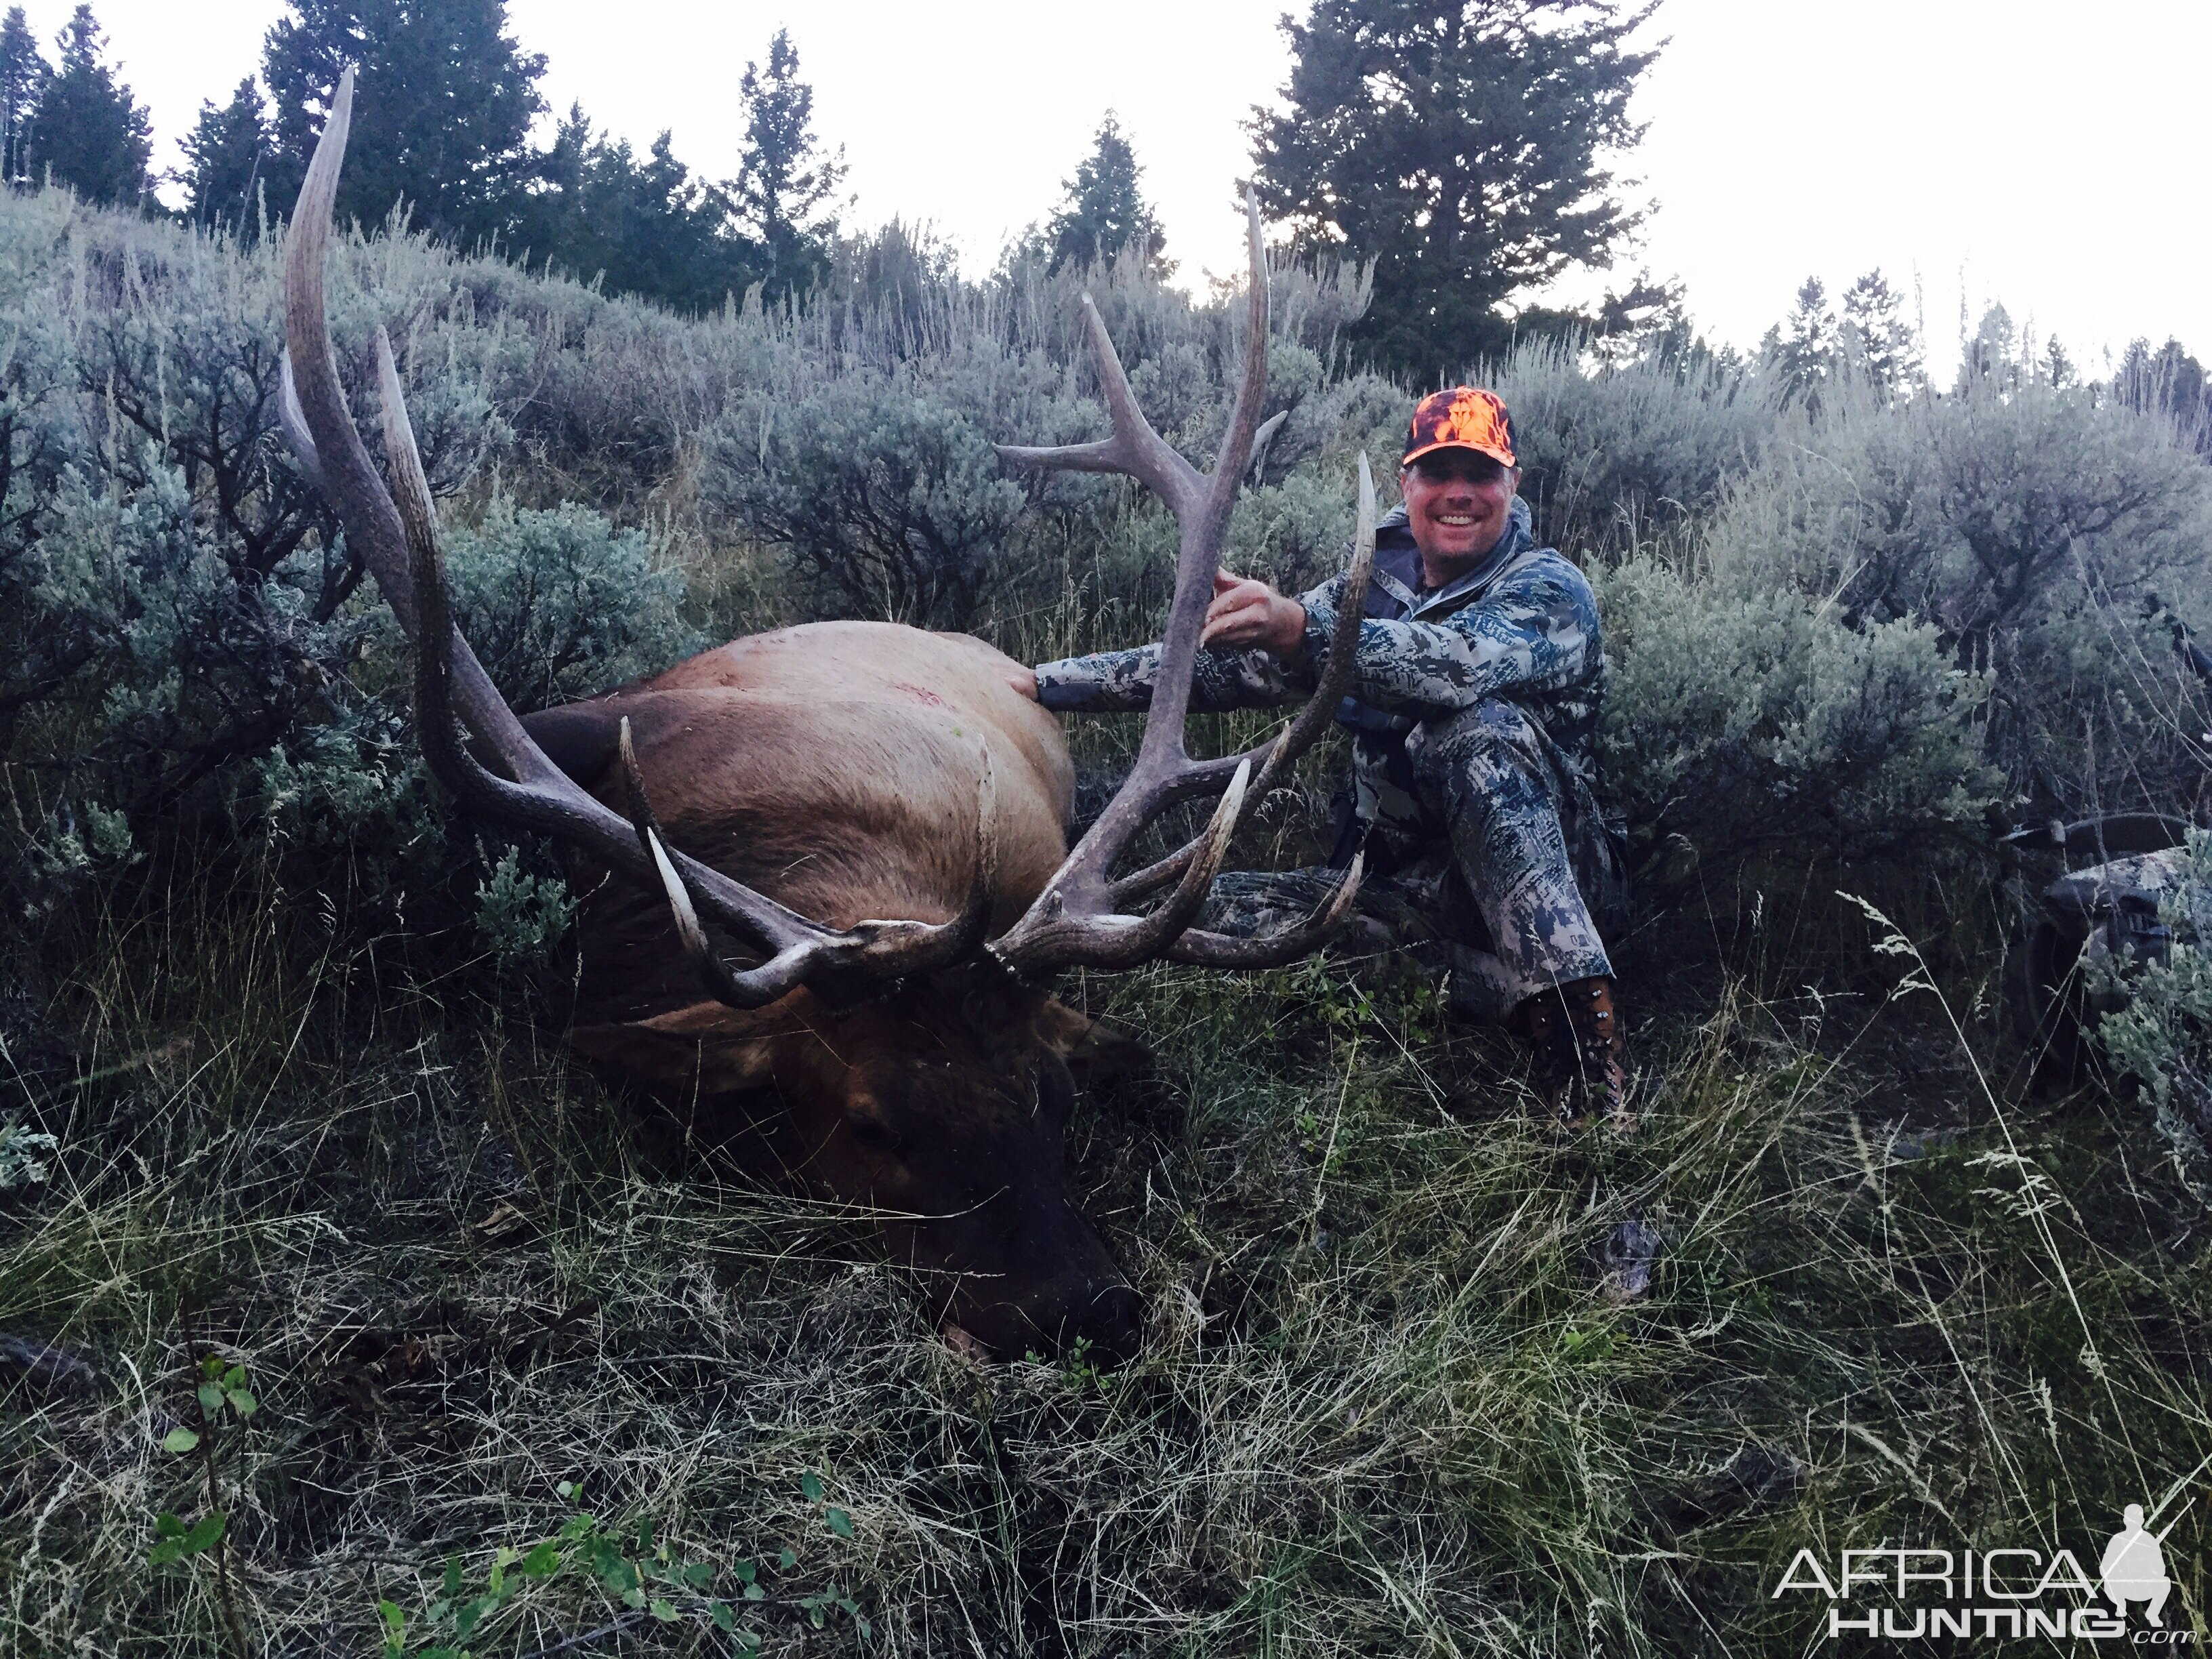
<point x="476" y="786"/>
<point x="1201" y="503"/>
<point x="1273" y="949"/>
<point x="1343" y="644"/>
<point x="1252" y="384"/>
<point x="397" y="541"/>
<point x="294" y="425"/>
<point x="1136" y="449"/>
<point x="754" y="988"/>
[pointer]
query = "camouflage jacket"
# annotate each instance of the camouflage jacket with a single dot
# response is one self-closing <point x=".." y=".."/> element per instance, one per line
<point x="1522" y="625"/>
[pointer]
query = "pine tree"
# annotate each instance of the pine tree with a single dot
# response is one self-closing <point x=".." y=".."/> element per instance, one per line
<point x="1104" y="214"/>
<point x="93" y="136"/>
<point x="2168" y="383"/>
<point x="1650" y="319"/>
<point x="442" y="110"/>
<point x="1801" y="353"/>
<point x="785" y="187"/>
<point x="224" y="154"/>
<point x="2057" y="367"/>
<point x="648" y="228"/>
<point x="1456" y="144"/>
<point x="23" y="78"/>
<point x="1875" y="338"/>
<point x="1993" y="353"/>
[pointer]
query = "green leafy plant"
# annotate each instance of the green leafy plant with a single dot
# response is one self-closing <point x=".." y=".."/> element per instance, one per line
<point x="631" y="1563"/>
<point x="835" y="1518"/>
<point x="637" y="1569"/>
<point x="819" y="1605"/>
<point x="221" y="1405"/>
<point x="1587" y="1345"/>
<point x="1077" y="1371"/>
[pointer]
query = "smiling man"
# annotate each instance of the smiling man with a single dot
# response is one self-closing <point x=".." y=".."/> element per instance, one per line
<point x="1473" y="715"/>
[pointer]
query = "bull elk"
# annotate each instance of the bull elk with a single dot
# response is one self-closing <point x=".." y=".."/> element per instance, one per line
<point x="777" y="798"/>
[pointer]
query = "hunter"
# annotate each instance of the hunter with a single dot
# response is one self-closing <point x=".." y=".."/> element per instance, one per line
<point x="1473" y="716"/>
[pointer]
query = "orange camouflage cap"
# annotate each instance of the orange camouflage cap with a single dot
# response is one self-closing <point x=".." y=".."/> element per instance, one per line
<point x="1462" y="418"/>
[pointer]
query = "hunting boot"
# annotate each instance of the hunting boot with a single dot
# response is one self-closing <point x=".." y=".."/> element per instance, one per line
<point x="1581" y="1054"/>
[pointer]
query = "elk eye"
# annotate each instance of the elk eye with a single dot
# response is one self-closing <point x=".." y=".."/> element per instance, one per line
<point x="872" y="1132"/>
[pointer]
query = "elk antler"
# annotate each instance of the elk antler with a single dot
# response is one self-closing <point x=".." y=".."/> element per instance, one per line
<point x="1076" y="921"/>
<point x="398" y="542"/>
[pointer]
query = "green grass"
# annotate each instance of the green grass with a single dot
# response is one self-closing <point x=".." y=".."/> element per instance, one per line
<point x="1384" y="1407"/>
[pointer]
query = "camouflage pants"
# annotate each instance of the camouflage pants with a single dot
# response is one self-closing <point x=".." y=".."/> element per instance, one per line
<point x="1485" y="845"/>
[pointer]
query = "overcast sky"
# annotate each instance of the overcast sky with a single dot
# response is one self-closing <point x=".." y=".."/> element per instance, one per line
<point x="2048" y="157"/>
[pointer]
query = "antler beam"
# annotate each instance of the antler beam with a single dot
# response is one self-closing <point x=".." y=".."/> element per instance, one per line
<point x="1077" y="920"/>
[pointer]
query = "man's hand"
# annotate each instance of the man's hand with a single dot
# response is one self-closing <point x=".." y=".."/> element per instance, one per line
<point x="1246" y="612"/>
<point x="1023" y="680"/>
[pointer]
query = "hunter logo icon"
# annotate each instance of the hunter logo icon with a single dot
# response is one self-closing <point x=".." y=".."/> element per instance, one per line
<point x="1910" y="1592"/>
<point x="2135" y="1568"/>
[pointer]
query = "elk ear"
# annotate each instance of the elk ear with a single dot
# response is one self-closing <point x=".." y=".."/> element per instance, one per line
<point x="581" y="738"/>
<point x="704" y="1050"/>
<point x="1091" y="1050"/>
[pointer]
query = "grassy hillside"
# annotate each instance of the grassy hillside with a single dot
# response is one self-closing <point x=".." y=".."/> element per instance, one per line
<point x="310" y="1114"/>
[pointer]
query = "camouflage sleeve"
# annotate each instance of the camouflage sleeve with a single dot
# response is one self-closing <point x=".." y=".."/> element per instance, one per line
<point x="1108" y="682"/>
<point x="1535" y="632"/>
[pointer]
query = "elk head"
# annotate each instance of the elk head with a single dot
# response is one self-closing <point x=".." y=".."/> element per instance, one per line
<point x="941" y="1106"/>
<point x="921" y="1066"/>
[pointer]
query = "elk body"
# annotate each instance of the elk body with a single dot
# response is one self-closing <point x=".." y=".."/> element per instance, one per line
<point x="835" y="766"/>
<point x="871" y="819"/>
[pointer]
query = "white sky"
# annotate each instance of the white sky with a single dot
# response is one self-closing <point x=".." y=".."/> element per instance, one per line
<point x="2009" y="149"/>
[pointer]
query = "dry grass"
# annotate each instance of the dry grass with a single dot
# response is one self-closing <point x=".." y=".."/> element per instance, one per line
<point x="1383" y="1408"/>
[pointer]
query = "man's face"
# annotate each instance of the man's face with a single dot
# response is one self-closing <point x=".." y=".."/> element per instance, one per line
<point x="1458" y="502"/>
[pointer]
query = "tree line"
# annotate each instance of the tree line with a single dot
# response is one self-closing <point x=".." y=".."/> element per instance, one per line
<point x="1458" y="151"/>
<point x="444" y="126"/>
<point x="1459" y="154"/>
